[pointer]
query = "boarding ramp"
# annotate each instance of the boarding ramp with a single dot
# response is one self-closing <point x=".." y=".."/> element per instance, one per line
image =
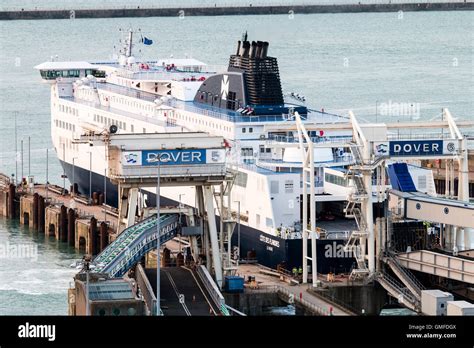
<point x="133" y="243"/>
<point x="442" y="265"/>
<point x="400" y="177"/>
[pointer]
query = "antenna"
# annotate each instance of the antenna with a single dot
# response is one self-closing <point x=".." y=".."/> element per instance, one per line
<point x="244" y="36"/>
<point x="129" y="43"/>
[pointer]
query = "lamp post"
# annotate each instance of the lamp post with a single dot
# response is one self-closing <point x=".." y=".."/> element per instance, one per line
<point x="180" y="205"/>
<point x="238" y="231"/>
<point x="90" y="177"/>
<point x="158" y="227"/>
<point x="105" y="194"/>
<point x="47" y="168"/>
<point x="73" y="176"/>
<point x="87" y="269"/>
<point x="64" y="170"/>
<point x="376" y="111"/>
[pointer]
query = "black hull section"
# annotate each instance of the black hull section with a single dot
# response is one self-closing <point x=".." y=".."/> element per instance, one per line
<point x="81" y="177"/>
<point x="270" y="250"/>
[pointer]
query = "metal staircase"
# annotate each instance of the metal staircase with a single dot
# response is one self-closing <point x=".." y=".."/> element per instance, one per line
<point x="353" y="243"/>
<point x="133" y="243"/>
<point x="397" y="290"/>
<point x="407" y="278"/>
<point x="353" y="210"/>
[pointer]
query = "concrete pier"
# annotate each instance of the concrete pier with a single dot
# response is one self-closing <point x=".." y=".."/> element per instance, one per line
<point x="64" y="217"/>
<point x="232" y="10"/>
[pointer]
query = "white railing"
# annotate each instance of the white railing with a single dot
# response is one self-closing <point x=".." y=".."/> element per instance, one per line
<point x="283" y="291"/>
<point x="212" y="289"/>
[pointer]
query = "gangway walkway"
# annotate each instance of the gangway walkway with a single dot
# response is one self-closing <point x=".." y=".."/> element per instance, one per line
<point x="420" y="206"/>
<point x="438" y="264"/>
<point x="133" y="243"/>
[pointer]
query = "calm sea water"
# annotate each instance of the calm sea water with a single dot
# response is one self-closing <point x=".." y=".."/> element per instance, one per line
<point x="338" y="61"/>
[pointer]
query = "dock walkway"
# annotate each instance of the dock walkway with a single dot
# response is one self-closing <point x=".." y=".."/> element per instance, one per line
<point x="271" y="283"/>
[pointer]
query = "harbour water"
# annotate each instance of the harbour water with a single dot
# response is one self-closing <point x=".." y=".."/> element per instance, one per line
<point x="34" y="271"/>
<point x="338" y="61"/>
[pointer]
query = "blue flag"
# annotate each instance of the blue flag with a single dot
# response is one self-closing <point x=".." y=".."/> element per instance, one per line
<point x="147" y="41"/>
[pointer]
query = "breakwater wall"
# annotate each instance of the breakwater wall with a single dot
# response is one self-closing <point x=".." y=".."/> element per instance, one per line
<point x="233" y="10"/>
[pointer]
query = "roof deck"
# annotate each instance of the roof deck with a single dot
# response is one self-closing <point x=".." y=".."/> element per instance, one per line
<point x="210" y="111"/>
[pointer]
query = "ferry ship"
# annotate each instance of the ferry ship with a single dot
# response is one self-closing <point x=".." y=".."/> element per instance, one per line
<point x="245" y="104"/>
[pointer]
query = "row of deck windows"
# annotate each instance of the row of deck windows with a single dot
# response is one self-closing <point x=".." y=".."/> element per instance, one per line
<point x="204" y="123"/>
<point x="135" y="104"/>
<point x="68" y="110"/>
<point x="54" y="74"/>
<point x="108" y="122"/>
<point x="73" y="73"/>
<point x="65" y="125"/>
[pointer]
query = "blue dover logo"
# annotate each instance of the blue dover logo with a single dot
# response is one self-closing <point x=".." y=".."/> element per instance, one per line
<point x="416" y="148"/>
<point x="173" y="157"/>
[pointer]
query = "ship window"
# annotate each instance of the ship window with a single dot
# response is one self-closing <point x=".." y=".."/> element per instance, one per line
<point x="124" y="126"/>
<point x="241" y="179"/>
<point x="274" y="187"/>
<point x="334" y="179"/>
<point x="268" y="150"/>
<point x="250" y="130"/>
<point x="288" y="186"/>
<point x="422" y="182"/>
<point x="262" y="149"/>
<point x="132" y="128"/>
<point x="244" y="130"/>
<point x="247" y="151"/>
<point x="257" y="218"/>
<point x="269" y="222"/>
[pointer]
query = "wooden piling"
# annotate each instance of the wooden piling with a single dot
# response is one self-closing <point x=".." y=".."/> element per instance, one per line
<point x="93" y="236"/>
<point x="11" y="201"/>
<point x="71" y="227"/>
<point x="41" y="212"/>
<point x="35" y="211"/>
<point x="104" y="235"/>
<point x="63" y="230"/>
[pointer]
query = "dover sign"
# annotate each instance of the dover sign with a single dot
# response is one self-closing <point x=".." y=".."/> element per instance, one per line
<point x="173" y="157"/>
<point x="405" y="148"/>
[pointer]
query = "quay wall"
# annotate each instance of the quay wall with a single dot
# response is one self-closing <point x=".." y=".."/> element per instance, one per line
<point x="233" y="10"/>
<point x="76" y="226"/>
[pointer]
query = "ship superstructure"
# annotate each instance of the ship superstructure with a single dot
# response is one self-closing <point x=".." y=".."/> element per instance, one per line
<point x="243" y="103"/>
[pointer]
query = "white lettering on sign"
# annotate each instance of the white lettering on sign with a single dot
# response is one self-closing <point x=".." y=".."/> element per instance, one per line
<point x="176" y="157"/>
<point x="270" y="241"/>
<point x="416" y="148"/>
